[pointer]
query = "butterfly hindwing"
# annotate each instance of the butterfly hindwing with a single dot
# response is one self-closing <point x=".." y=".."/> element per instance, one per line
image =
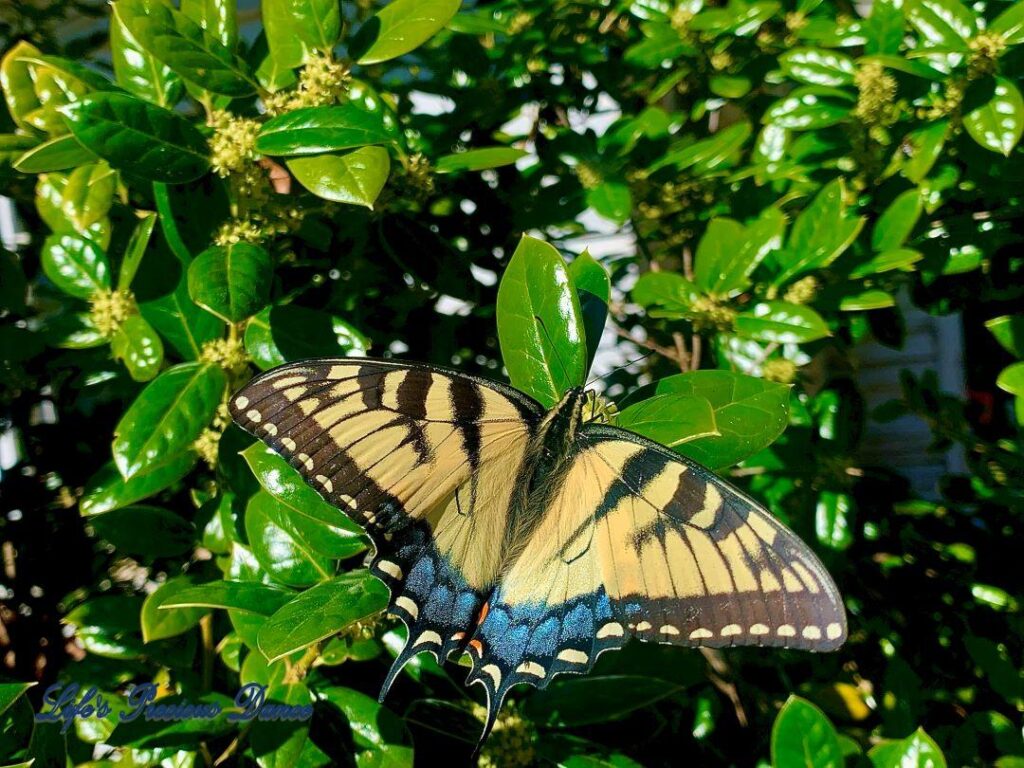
<point x="426" y="460"/>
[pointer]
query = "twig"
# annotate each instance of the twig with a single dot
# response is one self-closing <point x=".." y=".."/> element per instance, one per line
<point x="719" y="668"/>
<point x="695" y="346"/>
<point x="682" y="356"/>
<point x="667" y="352"/>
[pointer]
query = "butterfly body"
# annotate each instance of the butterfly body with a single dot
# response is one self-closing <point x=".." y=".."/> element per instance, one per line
<point x="527" y="538"/>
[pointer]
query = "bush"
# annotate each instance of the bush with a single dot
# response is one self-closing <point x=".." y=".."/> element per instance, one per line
<point x="220" y="197"/>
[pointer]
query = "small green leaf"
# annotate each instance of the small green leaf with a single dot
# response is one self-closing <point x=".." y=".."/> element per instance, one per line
<point x="924" y="147"/>
<point x="107" y="490"/>
<point x="887" y="261"/>
<point x="160" y="624"/>
<point x="287" y="332"/>
<point x="322" y="611"/>
<point x="138" y="137"/>
<point x="478" y="159"/>
<point x="145" y="531"/>
<point x="245" y="596"/>
<point x="138" y="346"/>
<point x="399" y="27"/>
<point x="998" y="124"/>
<point x="781" y="322"/>
<point x="611" y="199"/>
<point x="18" y="84"/>
<point x="715" y="270"/>
<point x="803" y="736"/>
<point x="316" y="130"/>
<point x="707" y="154"/>
<point x="76" y="265"/>
<point x="945" y="24"/>
<point x="820" y="234"/>
<point x="809" y="108"/>
<point x="593" y="289"/>
<point x="88" y="195"/>
<point x="57" y="154"/>
<point x="540" y="323"/>
<point x="297" y="28"/>
<point x="136" y="249"/>
<point x="355" y="177"/>
<point x="231" y="281"/>
<point x="862" y="301"/>
<point x="818" y="67"/>
<point x="833" y="520"/>
<point x="897" y="221"/>
<point x="665" y="294"/>
<point x="10" y="693"/>
<point x="167" y="417"/>
<point x="1011" y="379"/>
<point x="1010" y="24"/>
<point x="670" y="419"/>
<point x="1009" y="332"/>
<point x="918" y="750"/>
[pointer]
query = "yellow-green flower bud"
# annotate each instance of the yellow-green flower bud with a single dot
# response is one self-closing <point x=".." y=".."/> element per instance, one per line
<point x="512" y="743"/>
<point x="206" y="446"/>
<point x="707" y="314"/>
<point x="109" y="309"/>
<point x="599" y="409"/>
<point x="780" y="370"/>
<point x="876" y="95"/>
<point x="803" y="291"/>
<point x="233" y="145"/>
<point x="589" y="176"/>
<point x="986" y="48"/>
<point x="229" y="354"/>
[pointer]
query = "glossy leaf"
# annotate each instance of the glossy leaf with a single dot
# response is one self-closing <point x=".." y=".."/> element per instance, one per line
<point x="888" y="261"/>
<point x="138" y="346"/>
<point x="1012" y="379"/>
<point x="729" y="253"/>
<point x="179" y="321"/>
<point x="781" y="322"/>
<point x="216" y="17"/>
<point x="707" y="154"/>
<point x="593" y="289"/>
<point x="818" y="67"/>
<point x="322" y="611"/>
<point x="296" y="28"/>
<point x="195" y="54"/>
<point x="245" y="596"/>
<point x="336" y="540"/>
<point x="136" y="249"/>
<point x="11" y="692"/>
<point x="809" y="108"/>
<point x="820" y="233"/>
<point x="1009" y="332"/>
<point x="540" y="323"/>
<point x="478" y="159"/>
<point x="667" y="292"/>
<point x="860" y="301"/>
<point x="287" y="332"/>
<point x="139" y="138"/>
<point x="833" y="520"/>
<point x="897" y="221"/>
<point x="918" y="750"/>
<point x="167" y="417"/>
<point x="231" y="281"/>
<point x="137" y="70"/>
<point x="670" y="419"/>
<point x="316" y="130"/>
<point x="945" y="24"/>
<point x="998" y="124"/>
<point x="145" y="531"/>
<point x="749" y="413"/>
<point x="56" y="154"/>
<point x="278" y="548"/>
<point x="924" y="147"/>
<point x="373" y="725"/>
<point x="803" y="736"/>
<point x="612" y="200"/>
<point x="159" y="624"/>
<point x="1010" y="24"/>
<point x="399" y="27"/>
<point x="88" y="195"/>
<point x="107" y="490"/>
<point x="355" y="177"/>
<point x="18" y="85"/>
<point x="75" y="264"/>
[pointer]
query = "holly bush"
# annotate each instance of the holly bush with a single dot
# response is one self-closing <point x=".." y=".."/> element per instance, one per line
<point x="206" y="193"/>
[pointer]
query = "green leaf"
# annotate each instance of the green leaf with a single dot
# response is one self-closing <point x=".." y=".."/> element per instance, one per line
<point x="803" y="736"/>
<point x="887" y="261"/>
<point x="136" y="249"/>
<point x="861" y="301"/>
<point x="88" y="195"/>
<point x="15" y="146"/>
<point x="167" y="417"/>
<point x="316" y="130"/>
<point x="945" y="24"/>
<point x="670" y="419"/>
<point x="781" y="322"/>
<point x="355" y="177"/>
<point x="998" y="124"/>
<point x="373" y="725"/>
<point x="820" y="234"/>
<point x="179" y="321"/>
<point x="137" y="70"/>
<point x="145" y="531"/>
<point x="322" y="611"/>
<point x="184" y="46"/>
<point x="671" y="294"/>
<point x="729" y="252"/>
<point x="297" y="28"/>
<point x="897" y="221"/>
<point x="285" y="484"/>
<point x="707" y="154"/>
<point x="611" y="199"/>
<point x="478" y="159"/>
<point x="10" y="693"/>
<point x="596" y="699"/>
<point x="337" y="540"/>
<point x="924" y="147"/>
<point x="1009" y="332"/>
<point x="1010" y="24"/>
<point x="107" y="490"/>
<point x="540" y="323"/>
<point x="593" y="289"/>
<point x="138" y="137"/>
<point x="160" y="624"/>
<point x="75" y="264"/>
<point x="809" y="108"/>
<point x="279" y="548"/>
<point x="918" y="750"/>
<point x="1011" y="379"/>
<point x="245" y="596"/>
<point x="231" y="281"/>
<point x="217" y="17"/>
<point x="399" y="27"/>
<point x="138" y="346"/>
<point x="287" y="332"/>
<point x="56" y="154"/>
<point x="817" y="67"/>
<point x="749" y="413"/>
<point x="833" y="520"/>
<point x="884" y="28"/>
<point x="18" y="83"/>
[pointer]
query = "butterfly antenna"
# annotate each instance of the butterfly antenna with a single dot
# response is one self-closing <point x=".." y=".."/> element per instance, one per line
<point x="618" y="368"/>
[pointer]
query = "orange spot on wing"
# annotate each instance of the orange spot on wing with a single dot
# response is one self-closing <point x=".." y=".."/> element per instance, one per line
<point x="477" y="646"/>
<point x="484" y="610"/>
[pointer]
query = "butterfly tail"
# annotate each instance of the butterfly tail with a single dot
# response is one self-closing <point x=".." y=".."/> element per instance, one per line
<point x="399" y="663"/>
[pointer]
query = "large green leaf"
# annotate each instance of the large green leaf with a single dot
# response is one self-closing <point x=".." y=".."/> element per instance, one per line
<point x="287" y="332"/>
<point x="593" y="288"/>
<point x="373" y="726"/>
<point x="184" y="46"/>
<point x="145" y="530"/>
<point x="107" y="490"/>
<point x="820" y="233"/>
<point x="11" y="692"/>
<point x="781" y="322"/>
<point x="167" y="417"/>
<point x="137" y="70"/>
<point x="665" y="293"/>
<point x="945" y="24"/>
<point x="1011" y="379"/>
<point x="998" y="124"/>
<point x="399" y="27"/>
<point x="56" y="154"/>
<point x="245" y="596"/>
<point x="670" y="419"/>
<point x="231" y="281"/>
<point x="478" y="159"/>
<point x="749" y="413"/>
<point x="159" y="624"/>
<point x="18" y="84"/>
<point x="138" y="346"/>
<point x="706" y="154"/>
<point x="803" y="736"/>
<point x="322" y="611"/>
<point x="818" y="67"/>
<point x="809" y="108"/>
<point x="296" y="28"/>
<point x="1010" y="24"/>
<point x="897" y="221"/>
<point x="138" y="137"/>
<point x="76" y="265"/>
<point x="355" y="177"/>
<point x="278" y="546"/>
<point x="316" y="130"/>
<point x="540" y="324"/>
<point x="217" y="17"/>
<point x="918" y="750"/>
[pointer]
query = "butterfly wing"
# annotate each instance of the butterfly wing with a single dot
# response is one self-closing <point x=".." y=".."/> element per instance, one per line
<point x="425" y="459"/>
<point x="640" y="542"/>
